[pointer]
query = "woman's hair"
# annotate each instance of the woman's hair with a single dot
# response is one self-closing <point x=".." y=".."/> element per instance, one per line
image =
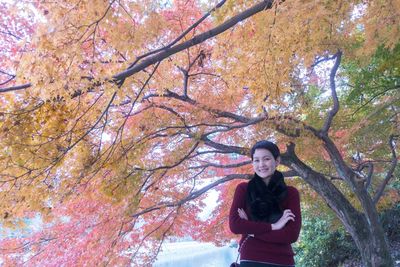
<point x="264" y="144"/>
<point x="264" y="200"/>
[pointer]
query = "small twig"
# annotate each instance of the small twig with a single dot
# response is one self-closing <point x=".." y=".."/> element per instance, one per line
<point x="368" y="177"/>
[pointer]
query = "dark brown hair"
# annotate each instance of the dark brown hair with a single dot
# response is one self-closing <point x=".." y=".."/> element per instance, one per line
<point x="264" y="144"/>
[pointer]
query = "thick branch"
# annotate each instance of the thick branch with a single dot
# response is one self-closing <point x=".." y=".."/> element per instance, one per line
<point x="335" y="108"/>
<point x="319" y="60"/>
<point x="222" y="166"/>
<point x="170" y="50"/>
<point x="15" y="88"/>
<point x="186" y="99"/>
<point x="227" y="148"/>
<point x="344" y="171"/>
<point x="335" y="199"/>
<point x="180" y="36"/>
<point x="266" y="4"/>
<point x="192" y="195"/>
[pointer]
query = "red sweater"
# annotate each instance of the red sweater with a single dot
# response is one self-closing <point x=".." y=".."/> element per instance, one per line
<point x="267" y="245"/>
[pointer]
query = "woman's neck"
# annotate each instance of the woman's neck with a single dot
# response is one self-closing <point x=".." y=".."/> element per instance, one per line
<point x="266" y="180"/>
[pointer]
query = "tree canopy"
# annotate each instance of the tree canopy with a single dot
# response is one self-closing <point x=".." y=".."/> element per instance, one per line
<point x="118" y="116"/>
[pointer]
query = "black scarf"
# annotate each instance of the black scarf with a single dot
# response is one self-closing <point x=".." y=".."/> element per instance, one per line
<point x="264" y="200"/>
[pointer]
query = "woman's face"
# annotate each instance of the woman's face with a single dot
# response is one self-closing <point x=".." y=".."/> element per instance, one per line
<point x="264" y="163"/>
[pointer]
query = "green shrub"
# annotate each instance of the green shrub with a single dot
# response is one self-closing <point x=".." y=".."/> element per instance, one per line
<point x="321" y="246"/>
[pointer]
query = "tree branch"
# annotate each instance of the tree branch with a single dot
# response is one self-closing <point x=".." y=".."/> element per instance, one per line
<point x="166" y="52"/>
<point x="335" y="108"/>
<point x="374" y="97"/>
<point x="180" y="36"/>
<point x="229" y="149"/>
<point x="192" y="195"/>
<point x="368" y="177"/>
<point x="220" y="113"/>
<point x="186" y="71"/>
<point x="389" y="174"/>
<point x="320" y="60"/>
<point x="174" y="164"/>
<point x="325" y="188"/>
<point x="222" y="166"/>
<point x="15" y="88"/>
<point x="236" y="126"/>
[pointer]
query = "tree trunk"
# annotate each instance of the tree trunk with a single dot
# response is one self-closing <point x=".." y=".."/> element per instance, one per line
<point x="364" y="227"/>
<point x="370" y="241"/>
<point x="372" y="245"/>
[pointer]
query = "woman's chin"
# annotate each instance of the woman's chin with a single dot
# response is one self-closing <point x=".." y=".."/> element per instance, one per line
<point x="264" y="175"/>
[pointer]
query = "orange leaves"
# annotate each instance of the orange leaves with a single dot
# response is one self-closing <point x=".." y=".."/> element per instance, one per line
<point x="184" y="14"/>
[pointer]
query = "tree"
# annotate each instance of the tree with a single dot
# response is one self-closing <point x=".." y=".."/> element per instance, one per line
<point x="116" y="161"/>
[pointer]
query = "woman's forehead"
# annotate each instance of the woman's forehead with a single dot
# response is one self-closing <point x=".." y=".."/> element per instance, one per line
<point x="262" y="152"/>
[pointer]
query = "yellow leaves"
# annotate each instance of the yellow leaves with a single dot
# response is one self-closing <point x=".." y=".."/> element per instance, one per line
<point x="279" y="40"/>
<point x="121" y="188"/>
<point x="32" y="197"/>
<point x="381" y="22"/>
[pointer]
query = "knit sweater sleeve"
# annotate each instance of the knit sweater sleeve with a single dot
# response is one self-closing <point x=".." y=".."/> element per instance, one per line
<point x="290" y="232"/>
<point x="239" y="225"/>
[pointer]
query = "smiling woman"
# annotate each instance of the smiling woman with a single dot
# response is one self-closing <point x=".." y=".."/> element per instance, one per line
<point x="266" y="212"/>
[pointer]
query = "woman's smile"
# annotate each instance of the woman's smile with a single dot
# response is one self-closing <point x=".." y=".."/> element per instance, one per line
<point x="264" y="163"/>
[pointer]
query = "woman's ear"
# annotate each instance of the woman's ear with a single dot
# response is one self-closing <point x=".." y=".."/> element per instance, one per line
<point x="278" y="160"/>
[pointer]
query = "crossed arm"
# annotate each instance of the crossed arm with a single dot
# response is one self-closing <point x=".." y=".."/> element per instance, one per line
<point x="285" y="230"/>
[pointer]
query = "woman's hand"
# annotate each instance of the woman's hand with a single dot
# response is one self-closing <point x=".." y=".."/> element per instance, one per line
<point x="242" y="214"/>
<point x="287" y="216"/>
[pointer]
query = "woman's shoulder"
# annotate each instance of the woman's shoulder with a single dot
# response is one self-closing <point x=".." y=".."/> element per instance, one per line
<point x="242" y="186"/>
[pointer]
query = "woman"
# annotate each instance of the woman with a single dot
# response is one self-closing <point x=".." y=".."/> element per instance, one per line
<point x="266" y="212"/>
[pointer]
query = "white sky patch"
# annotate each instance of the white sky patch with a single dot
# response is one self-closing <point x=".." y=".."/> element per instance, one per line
<point x="323" y="71"/>
<point x="33" y="225"/>
<point x="106" y="137"/>
<point x="211" y="202"/>
<point x="36" y="223"/>
<point x="358" y="11"/>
